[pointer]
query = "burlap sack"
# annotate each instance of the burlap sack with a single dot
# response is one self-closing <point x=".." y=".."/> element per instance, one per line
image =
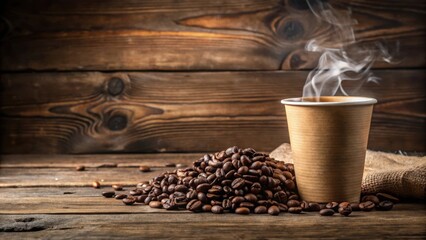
<point x="398" y="175"/>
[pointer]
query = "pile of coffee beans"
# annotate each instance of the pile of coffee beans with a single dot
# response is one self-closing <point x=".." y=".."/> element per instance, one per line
<point x="240" y="181"/>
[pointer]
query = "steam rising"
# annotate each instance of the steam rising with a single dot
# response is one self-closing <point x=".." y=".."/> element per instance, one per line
<point x="342" y="58"/>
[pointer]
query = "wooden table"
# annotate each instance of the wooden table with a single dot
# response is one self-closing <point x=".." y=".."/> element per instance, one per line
<point x="45" y="197"/>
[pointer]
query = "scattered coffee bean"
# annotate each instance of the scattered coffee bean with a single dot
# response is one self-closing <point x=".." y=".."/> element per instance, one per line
<point x="387" y="197"/>
<point x="273" y="210"/>
<point x="109" y="194"/>
<point x="345" y="209"/>
<point x="366" y="206"/>
<point x="96" y="184"/>
<point x="155" y="204"/>
<point x="371" y="198"/>
<point x="117" y="187"/>
<point x="355" y="206"/>
<point x="332" y="205"/>
<point x="343" y="204"/>
<point x="293" y="203"/>
<point x="170" y="165"/>
<point x="129" y="200"/>
<point x="120" y="196"/>
<point x="315" y="207"/>
<point x="260" y="210"/>
<point x="144" y="168"/>
<point x="327" y="212"/>
<point x="207" y="208"/>
<point x="242" y="210"/>
<point x="295" y="210"/>
<point x="385" y="206"/>
<point x="80" y="168"/>
<point x="217" y="209"/>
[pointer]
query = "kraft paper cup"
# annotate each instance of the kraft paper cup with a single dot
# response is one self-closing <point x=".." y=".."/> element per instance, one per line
<point x="329" y="141"/>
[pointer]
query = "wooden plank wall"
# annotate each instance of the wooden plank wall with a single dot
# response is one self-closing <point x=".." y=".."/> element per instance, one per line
<point x="187" y="76"/>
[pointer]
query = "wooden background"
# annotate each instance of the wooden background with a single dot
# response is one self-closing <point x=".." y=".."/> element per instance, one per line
<point x="107" y="76"/>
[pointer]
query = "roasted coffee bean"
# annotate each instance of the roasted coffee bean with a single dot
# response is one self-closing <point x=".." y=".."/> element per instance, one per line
<point x="137" y="192"/>
<point x="181" y="165"/>
<point x="293" y="197"/>
<point x="295" y="210"/>
<point x="268" y="194"/>
<point x="260" y="210"/>
<point x="226" y="204"/>
<point x="327" y="212"/>
<point x="385" y="205"/>
<point x="96" y="184"/>
<point x="287" y="175"/>
<point x="387" y="197"/>
<point x="181" y="188"/>
<point x="293" y="203"/>
<point x="140" y="198"/>
<point x="168" y="204"/>
<point x="231" y="150"/>
<point x="120" y="196"/>
<point x="109" y="194"/>
<point x="345" y="210"/>
<point x="333" y="205"/>
<point x="343" y="204"/>
<point x="155" y="204"/>
<point x="315" y="207"/>
<point x="355" y="206"/>
<point x="117" y="187"/>
<point x="206" y="208"/>
<point x="217" y="209"/>
<point x="191" y="194"/>
<point x="242" y="210"/>
<point x="79" y="168"/>
<point x="256" y="188"/>
<point x="238" y="199"/>
<point x="129" y="200"/>
<point x="366" y="206"/>
<point x="194" y="205"/>
<point x="144" y="168"/>
<point x="247" y="205"/>
<point x="282" y="207"/>
<point x="238" y="183"/>
<point x="251" y="197"/>
<point x="290" y="184"/>
<point x="243" y="170"/>
<point x="204" y="187"/>
<point x="371" y="198"/>
<point x="273" y="210"/>
<point x="170" y="164"/>
<point x="280" y="197"/>
<point x="245" y="161"/>
<point x="202" y="197"/>
<point x="305" y="206"/>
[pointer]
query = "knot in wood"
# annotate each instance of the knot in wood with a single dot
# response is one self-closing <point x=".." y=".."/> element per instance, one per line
<point x="117" y="122"/>
<point x="115" y="86"/>
<point x="290" y="30"/>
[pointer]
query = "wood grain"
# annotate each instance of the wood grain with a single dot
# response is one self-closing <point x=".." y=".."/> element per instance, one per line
<point x="184" y="112"/>
<point x="202" y="35"/>
<point x="156" y="160"/>
<point x="407" y="219"/>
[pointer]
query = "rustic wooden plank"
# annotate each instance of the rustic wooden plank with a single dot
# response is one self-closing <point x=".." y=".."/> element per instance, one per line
<point x="170" y="35"/>
<point x="405" y="222"/>
<point x="156" y="160"/>
<point x="63" y="177"/>
<point x="184" y="112"/>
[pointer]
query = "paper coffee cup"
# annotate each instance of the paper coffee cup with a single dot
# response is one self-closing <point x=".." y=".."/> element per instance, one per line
<point x="329" y="141"/>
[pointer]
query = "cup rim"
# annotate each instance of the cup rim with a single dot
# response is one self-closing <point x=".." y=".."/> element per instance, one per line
<point x="343" y="101"/>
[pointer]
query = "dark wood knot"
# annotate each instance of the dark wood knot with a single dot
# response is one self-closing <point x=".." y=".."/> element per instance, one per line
<point x="290" y="30"/>
<point x="117" y="122"/>
<point x="115" y="86"/>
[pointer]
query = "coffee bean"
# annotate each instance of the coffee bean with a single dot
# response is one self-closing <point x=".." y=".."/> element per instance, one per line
<point x="96" y="184"/>
<point x="120" y="196"/>
<point x="282" y="207"/>
<point x="333" y="205"/>
<point x="293" y="203"/>
<point x="242" y="210"/>
<point x="280" y="197"/>
<point x="194" y="205"/>
<point x="315" y="207"/>
<point x="79" y="168"/>
<point x="343" y="204"/>
<point x="260" y="210"/>
<point x="327" y="212"/>
<point x="290" y="184"/>
<point x="117" y="187"/>
<point x="204" y="187"/>
<point x="181" y="165"/>
<point x="155" y="204"/>
<point x="238" y="183"/>
<point x="141" y="198"/>
<point x="202" y="197"/>
<point x="345" y="210"/>
<point x="231" y="150"/>
<point x="226" y="204"/>
<point x="295" y="210"/>
<point x="168" y="204"/>
<point x="366" y="206"/>
<point x="371" y="198"/>
<point x="355" y="206"/>
<point x="305" y="206"/>
<point x="217" y="209"/>
<point x="385" y="205"/>
<point x="129" y="200"/>
<point x="387" y="197"/>
<point x="181" y="188"/>
<point x="207" y="208"/>
<point x="109" y="194"/>
<point x="144" y="168"/>
<point x="251" y="197"/>
<point x="247" y="205"/>
<point x="273" y="210"/>
<point x="170" y="165"/>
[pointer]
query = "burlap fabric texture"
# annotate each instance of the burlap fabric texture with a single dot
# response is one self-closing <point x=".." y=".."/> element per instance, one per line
<point x="395" y="174"/>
